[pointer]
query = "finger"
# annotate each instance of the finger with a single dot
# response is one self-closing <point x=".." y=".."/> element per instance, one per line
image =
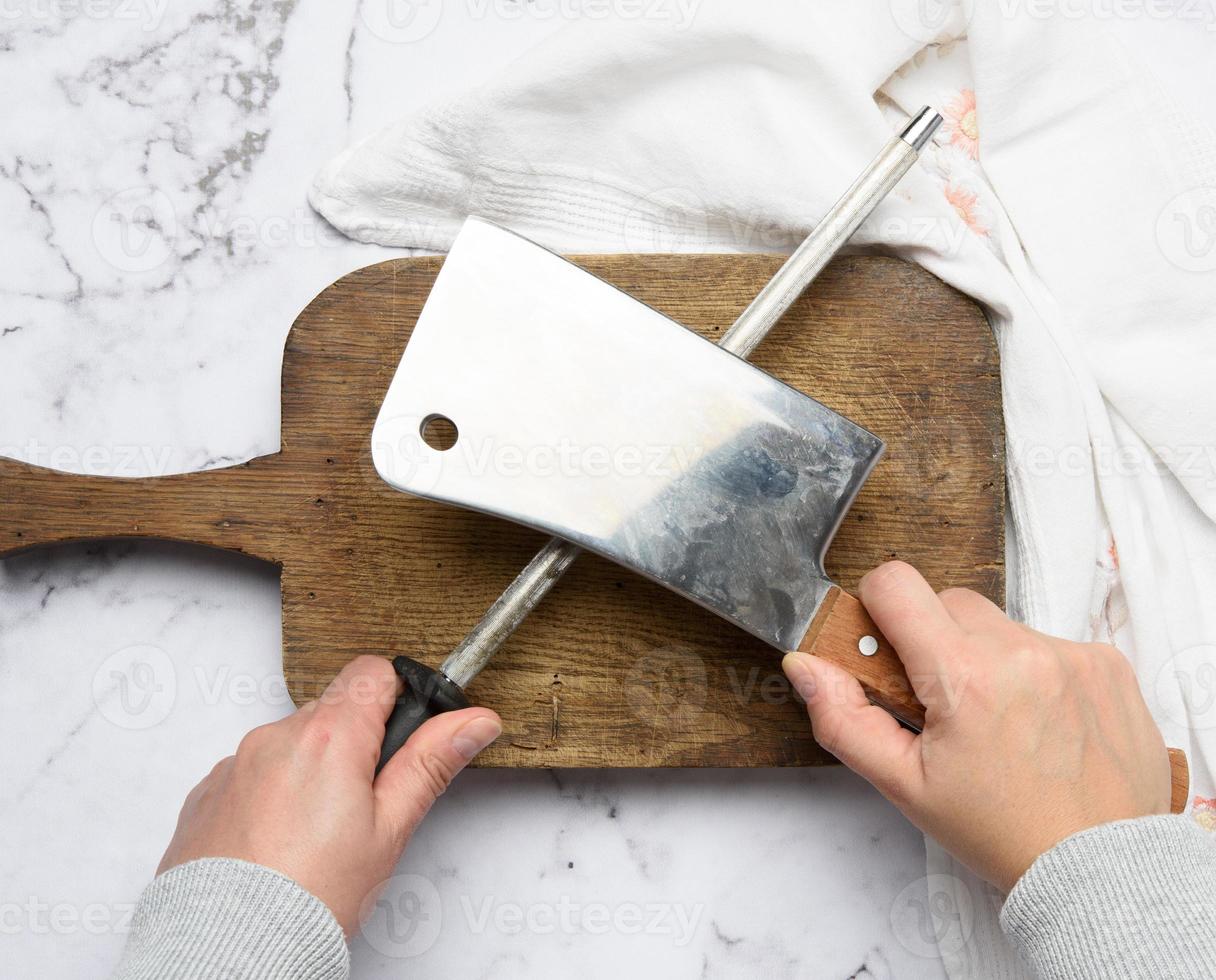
<point x="366" y="682"/>
<point x="972" y="611"/>
<point x="910" y="615"/>
<point x="422" y="769"/>
<point x="861" y="735"/>
<point x="358" y="702"/>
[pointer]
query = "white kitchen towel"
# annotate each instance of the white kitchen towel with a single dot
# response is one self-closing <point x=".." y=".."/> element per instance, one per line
<point x="1067" y="193"/>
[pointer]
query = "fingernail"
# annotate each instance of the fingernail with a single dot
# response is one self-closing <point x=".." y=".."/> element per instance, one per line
<point x="475" y="735"/>
<point x="797" y="667"/>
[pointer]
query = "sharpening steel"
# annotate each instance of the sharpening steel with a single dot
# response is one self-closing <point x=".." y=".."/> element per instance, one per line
<point x="778" y="448"/>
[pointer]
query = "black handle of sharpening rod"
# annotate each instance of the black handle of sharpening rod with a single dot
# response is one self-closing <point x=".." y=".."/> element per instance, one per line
<point x="427" y="693"/>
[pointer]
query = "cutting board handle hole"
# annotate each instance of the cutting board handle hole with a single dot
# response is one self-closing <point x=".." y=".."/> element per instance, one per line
<point x="439" y="432"/>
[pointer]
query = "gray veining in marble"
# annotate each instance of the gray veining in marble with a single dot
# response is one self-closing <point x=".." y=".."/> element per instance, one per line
<point x="154" y="158"/>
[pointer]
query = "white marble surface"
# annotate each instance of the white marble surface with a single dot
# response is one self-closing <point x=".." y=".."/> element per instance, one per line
<point x="156" y="244"/>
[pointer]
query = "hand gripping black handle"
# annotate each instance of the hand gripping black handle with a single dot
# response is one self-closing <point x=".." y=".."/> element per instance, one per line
<point x="427" y="694"/>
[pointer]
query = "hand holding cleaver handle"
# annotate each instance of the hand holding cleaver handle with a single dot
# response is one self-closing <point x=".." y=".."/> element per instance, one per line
<point x="429" y="692"/>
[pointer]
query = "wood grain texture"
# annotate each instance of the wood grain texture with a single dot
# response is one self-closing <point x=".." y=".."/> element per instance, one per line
<point x="1180" y="780"/>
<point x="836" y="634"/>
<point x="612" y="670"/>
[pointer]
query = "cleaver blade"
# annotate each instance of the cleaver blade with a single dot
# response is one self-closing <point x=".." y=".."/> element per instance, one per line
<point x="584" y="413"/>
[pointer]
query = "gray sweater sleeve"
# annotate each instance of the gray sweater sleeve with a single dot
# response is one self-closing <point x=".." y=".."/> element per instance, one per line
<point x="1131" y="899"/>
<point x="223" y="919"/>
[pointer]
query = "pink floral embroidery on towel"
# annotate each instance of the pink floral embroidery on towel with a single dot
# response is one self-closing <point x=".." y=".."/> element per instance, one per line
<point x="966" y="207"/>
<point x="964" y="130"/>
<point x="1203" y="812"/>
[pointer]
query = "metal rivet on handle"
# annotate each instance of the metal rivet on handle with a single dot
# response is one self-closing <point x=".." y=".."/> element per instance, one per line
<point x="868" y="646"/>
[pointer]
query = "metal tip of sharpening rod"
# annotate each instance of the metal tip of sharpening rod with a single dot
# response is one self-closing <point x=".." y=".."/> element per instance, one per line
<point x="521" y="597"/>
<point x="920" y="130"/>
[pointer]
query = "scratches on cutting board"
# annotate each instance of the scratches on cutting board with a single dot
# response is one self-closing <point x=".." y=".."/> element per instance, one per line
<point x="626" y="706"/>
<point x="556" y="691"/>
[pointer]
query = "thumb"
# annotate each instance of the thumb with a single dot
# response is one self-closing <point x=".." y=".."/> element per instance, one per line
<point x="861" y="735"/>
<point x="422" y="769"/>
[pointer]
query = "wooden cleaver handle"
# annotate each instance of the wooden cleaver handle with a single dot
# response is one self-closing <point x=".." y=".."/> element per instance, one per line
<point x="844" y="633"/>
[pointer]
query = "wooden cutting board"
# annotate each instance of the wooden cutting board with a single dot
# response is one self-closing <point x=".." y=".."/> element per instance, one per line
<point x="612" y="670"/>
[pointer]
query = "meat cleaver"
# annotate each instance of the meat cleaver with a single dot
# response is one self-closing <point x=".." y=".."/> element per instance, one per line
<point x="535" y="391"/>
<point x="575" y="409"/>
<point x="641" y="518"/>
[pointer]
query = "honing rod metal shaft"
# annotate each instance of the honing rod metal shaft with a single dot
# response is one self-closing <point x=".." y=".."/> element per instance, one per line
<point x="468" y="659"/>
